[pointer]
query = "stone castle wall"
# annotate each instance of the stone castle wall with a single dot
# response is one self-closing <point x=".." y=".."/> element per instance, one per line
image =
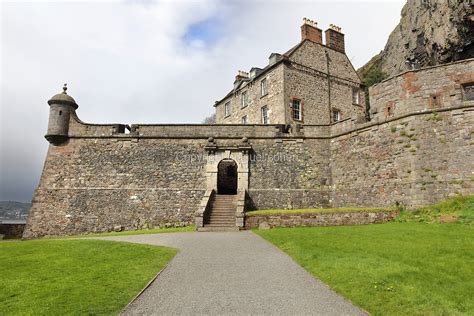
<point x="92" y="185"/>
<point x="431" y="88"/>
<point x="414" y="161"/>
<point x="157" y="174"/>
<point x="289" y="173"/>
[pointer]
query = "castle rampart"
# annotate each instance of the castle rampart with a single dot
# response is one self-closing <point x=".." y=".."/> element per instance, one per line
<point x="430" y="88"/>
<point x="102" y="176"/>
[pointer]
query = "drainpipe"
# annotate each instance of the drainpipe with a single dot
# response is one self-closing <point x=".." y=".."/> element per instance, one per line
<point x="329" y="84"/>
<point x="332" y="192"/>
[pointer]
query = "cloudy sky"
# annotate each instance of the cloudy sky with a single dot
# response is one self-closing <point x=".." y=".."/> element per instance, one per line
<point x="147" y="61"/>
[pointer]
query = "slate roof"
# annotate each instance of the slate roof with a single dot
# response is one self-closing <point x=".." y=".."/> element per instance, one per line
<point x="244" y="82"/>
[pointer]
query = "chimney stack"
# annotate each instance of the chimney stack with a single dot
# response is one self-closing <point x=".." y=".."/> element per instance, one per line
<point x="241" y="75"/>
<point x="310" y="31"/>
<point x="335" y="38"/>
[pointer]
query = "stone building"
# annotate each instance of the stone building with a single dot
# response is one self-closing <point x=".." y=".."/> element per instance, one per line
<point x="416" y="150"/>
<point x="311" y="83"/>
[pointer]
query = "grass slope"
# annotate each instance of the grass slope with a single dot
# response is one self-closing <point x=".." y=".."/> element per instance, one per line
<point x="80" y="277"/>
<point x="389" y="269"/>
<point x="459" y="209"/>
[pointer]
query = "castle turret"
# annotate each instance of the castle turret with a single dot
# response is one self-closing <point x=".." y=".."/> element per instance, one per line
<point x="61" y="106"/>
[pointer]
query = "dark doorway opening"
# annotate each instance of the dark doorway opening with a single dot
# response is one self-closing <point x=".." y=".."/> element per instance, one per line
<point x="227" y="177"/>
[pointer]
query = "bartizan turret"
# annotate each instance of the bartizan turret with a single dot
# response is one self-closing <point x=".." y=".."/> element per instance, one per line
<point x="61" y="106"/>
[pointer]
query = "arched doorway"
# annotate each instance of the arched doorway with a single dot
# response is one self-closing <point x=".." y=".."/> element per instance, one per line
<point x="227" y="177"/>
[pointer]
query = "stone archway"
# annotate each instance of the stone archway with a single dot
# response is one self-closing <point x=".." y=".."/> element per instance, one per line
<point x="227" y="177"/>
<point x="238" y="153"/>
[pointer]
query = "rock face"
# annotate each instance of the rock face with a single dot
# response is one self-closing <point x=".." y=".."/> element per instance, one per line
<point x="430" y="32"/>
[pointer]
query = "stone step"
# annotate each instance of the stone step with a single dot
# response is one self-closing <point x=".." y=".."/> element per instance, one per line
<point x="218" y="229"/>
<point x="227" y="213"/>
<point x="224" y="224"/>
<point x="221" y="216"/>
<point x="222" y="210"/>
<point x="220" y="222"/>
<point x="224" y="203"/>
<point x="225" y="219"/>
<point x="230" y="213"/>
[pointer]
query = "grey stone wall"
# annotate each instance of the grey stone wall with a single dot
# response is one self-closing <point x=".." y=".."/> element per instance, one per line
<point x="316" y="56"/>
<point x="318" y="219"/>
<point x="92" y="185"/>
<point x="289" y="173"/>
<point x="156" y="175"/>
<point x="415" y="161"/>
<point x="320" y="95"/>
<point x="429" y="88"/>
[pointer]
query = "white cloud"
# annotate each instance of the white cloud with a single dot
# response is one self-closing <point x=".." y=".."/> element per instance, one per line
<point x="130" y="62"/>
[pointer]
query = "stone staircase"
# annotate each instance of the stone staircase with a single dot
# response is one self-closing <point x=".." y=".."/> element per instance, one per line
<point x="221" y="214"/>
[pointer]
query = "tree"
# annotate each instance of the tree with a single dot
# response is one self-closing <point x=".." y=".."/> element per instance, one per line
<point x="211" y="119"/>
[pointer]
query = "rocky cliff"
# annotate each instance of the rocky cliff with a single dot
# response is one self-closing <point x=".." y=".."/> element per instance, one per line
<point x="430" y="32"/>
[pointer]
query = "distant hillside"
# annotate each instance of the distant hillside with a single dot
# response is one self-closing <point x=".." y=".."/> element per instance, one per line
<point x="14" y="210"/>
<point x="430" y="32"/>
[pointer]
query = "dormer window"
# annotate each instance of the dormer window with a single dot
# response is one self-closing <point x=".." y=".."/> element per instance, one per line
<point x="244" y="99"/>
<point x="356" y="96"/>
<point x="263" y="87"/>
<point x="227" y="109"/>
<point x="336" y="115"/>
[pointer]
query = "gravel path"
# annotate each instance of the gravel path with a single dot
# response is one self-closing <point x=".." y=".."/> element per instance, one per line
<point x="232" y="273"/>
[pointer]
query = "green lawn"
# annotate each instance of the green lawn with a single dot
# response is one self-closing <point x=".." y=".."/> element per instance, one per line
<point x="80" y="277"/>
<point x="404" y="268"/>
<point x="138" y="232"/>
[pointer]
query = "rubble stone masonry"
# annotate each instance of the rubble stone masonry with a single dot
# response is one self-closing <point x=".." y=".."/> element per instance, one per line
<point x="156" y="175"/>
